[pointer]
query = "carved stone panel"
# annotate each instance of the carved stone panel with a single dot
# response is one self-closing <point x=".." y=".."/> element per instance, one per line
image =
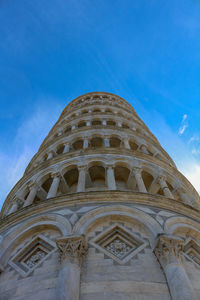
<point x="119" y="243"/>
<point x="31" y="256"/>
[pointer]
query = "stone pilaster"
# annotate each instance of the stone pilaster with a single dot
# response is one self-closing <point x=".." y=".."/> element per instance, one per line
<point x="168" y="251"/>
<point x="72" y="250"/>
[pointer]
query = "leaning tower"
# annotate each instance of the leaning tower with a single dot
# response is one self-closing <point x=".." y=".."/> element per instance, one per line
<point x="101" y="213"/>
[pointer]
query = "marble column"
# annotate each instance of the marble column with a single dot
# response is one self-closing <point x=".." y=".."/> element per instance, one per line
<point x="73" y="126"/>
<point x="60" y="132"/>
<point x="106" y="142"/>
<point x="119" y="124"/>
<point x="85" y="143"/>
<point x="81" y="179"/>
<point x="126" y="143"/>
<point x="72" y="250"/>
<point x="111" y="184"/>
<point x="66" y="148"/>
<point x="104" y="122"/>
<point x="168" y="251"/>
<point x="144" y="149"/>
<point x="183" y="196"/>
<point x="163" y="184"/>
<point x="50" y="155"/>
<point x="139" y="180"/>
<point x="17" y="203"/>
<point x="88" y="123"/>
<point x="33" y="187"/>
<point x="54" y="185"/>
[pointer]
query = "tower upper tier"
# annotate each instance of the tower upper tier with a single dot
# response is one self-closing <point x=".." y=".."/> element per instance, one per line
<point x="99" y="144"/>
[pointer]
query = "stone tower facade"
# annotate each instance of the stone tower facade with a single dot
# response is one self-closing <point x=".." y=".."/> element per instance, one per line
<point x="101" y="213"/>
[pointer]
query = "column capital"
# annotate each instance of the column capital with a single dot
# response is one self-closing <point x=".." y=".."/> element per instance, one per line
<point x="137" y="170"/>
<point x="72" y="248"/>
<point x="110" y="166"/>
<point x="168" y="249"/>
<point x="55" y="174"/>
<point x="82" y="167"/>
<point x="32" y="184"/>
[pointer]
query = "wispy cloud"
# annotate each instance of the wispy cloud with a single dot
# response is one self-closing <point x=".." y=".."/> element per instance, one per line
<point x="184" y="125"/>
<point x="187" y="163"/>
<point x="29" y="136"/>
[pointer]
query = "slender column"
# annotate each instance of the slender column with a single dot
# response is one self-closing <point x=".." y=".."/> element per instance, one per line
<point x="126" y="143"/>
<point x="73" y="126"/>
<point x="81" y="179"/>
<point x="119" y="124"/>
<point x="17" y="204"/>
<point x="33" y="191"/>
<point x="139" y="180"/>
<point x="144" y="149"/>
<point x="111" y="184"/>
<point x="54" y="185"/>
<point x="104" y="122"/>
<point x="60" y="132"/>
<point x="72" y="250"/>
<point x="183" y="196"/>
<point x="50" y="155"/>
<point x="168" y="251"/>
<point x="164" y="187"/>
<point x="66" y="149"/>
<point x="106" y="142"/>
<point x="85" y="143"/>
<point x="88" y="123"/>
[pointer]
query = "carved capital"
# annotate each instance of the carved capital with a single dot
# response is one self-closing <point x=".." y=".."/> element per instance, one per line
<point x="72" y="248"/>
<point x="168" y="249"/>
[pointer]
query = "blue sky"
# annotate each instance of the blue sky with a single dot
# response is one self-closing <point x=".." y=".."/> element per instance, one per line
<point x="146" y="51"/>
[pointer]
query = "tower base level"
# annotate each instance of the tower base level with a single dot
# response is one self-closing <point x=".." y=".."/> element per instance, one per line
<point x="110" y="245"/>
<point x="101" y="213"/>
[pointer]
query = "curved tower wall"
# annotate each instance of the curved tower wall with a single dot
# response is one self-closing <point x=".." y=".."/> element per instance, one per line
<point x="101" y="213"/>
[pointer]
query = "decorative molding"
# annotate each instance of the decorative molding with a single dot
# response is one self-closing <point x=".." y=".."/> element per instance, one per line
<point x="72" y="248"/>
<point x="118" y="243"/>
<point x="31" y="256"/>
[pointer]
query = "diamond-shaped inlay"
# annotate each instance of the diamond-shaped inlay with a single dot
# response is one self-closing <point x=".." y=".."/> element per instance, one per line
<point x="119" y="243"/>
<point x="192" y="251"/>
<point x="32" y="255"/>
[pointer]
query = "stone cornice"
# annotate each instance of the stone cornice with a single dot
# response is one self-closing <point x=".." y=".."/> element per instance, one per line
<point x="99" y="197"/>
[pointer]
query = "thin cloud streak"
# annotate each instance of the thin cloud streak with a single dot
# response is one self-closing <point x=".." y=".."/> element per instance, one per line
<point x="28" y="138"/>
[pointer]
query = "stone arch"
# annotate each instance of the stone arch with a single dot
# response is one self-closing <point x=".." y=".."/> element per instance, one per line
<point x="96" y="175"/>
<point x="60" y="148"/>
<point x="34" y="225"/>
<point x="77" y="144"/>
<point x="122" y="173"/>
<point x="81" y="124"/>
<point x="67" y="129"/>
<point x="182" y="226"/>
<point x="115" y="141"/>
<point x="70" y="177"/>
<point x="96" y="141"/>
<point x="96" y="122"/>
<point x="118" y="213"/>
<point x="111" y="122"/>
